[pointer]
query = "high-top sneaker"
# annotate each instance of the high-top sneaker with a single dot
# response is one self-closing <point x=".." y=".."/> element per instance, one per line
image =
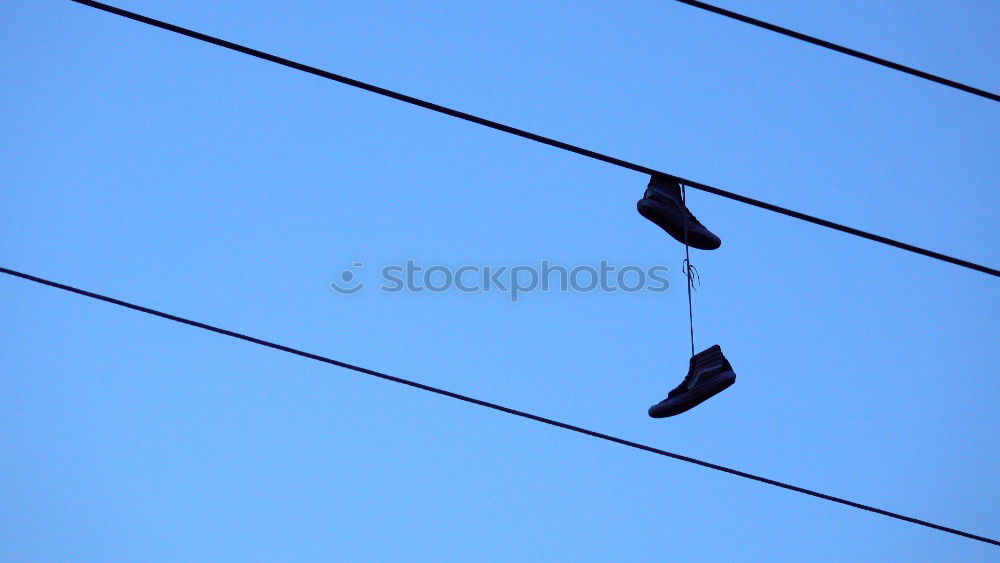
<point x="662" y="205"/>
<point x="709" y="373"/>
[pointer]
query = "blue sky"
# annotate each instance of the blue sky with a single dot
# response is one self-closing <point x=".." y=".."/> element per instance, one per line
<point x="177" y="175"/>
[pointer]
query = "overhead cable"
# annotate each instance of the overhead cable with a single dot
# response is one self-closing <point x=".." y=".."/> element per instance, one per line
<point x="494" y="406"/>
<point x="841" y="49"/>
<point x="532" y="136"/>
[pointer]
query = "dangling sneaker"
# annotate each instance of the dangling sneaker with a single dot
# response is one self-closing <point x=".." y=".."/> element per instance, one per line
<point x="708" y="375"/>
<point x="662" y="205"/>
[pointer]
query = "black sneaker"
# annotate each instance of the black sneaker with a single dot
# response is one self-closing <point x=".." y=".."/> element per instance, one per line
<point x="709" y="373"/>
<point x="662" y="205"/>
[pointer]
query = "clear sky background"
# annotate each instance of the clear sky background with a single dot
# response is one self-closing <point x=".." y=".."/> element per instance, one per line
<point x="181" y="176"/>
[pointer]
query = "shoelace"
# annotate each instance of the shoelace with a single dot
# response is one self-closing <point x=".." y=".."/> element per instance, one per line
<point x="690" y="272"/>
<point x="694" y="279"/>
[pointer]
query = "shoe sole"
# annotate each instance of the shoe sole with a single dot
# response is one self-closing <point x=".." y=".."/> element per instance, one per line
<point x="652" y="210"/>
<point x="716" y="385"/>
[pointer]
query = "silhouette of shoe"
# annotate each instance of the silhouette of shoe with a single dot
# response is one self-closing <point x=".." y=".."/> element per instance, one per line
<point x="662" y="205"/>
<point x="709" y="373"/>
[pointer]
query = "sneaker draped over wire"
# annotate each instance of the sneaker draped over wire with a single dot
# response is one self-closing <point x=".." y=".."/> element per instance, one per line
<point x="662" y="204"/>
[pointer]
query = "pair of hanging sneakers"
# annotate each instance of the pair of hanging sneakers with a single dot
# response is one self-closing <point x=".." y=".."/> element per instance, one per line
<point x="709" y="372"/>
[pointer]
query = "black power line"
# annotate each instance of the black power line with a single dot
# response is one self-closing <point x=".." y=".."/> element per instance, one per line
<point x="490" y="405"/>
<point x="532" y="136"/>
<point x="841" y="49"/>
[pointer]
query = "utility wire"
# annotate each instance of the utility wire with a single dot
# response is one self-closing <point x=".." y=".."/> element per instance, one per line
<point x="490" y="405"/>
<point x="841" y="49"/>
<point x="531" y="136"/>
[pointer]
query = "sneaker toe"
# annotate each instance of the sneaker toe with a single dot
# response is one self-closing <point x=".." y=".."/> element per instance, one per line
<point x="671" y="221"/>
